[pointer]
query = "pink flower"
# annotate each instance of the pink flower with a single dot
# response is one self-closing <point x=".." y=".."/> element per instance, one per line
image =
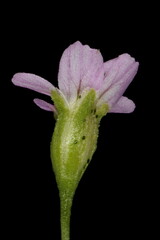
<point x="82" y="68"/>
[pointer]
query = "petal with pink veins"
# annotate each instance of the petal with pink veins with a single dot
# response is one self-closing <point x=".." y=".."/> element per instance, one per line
<point x="69" y="71"/>
<point x="115" y="69"/>
<point x="80" y="67"/>
<point x="116" y="91"/>
<point x="33" y="82"/>
<point x="92" y="69"/>
<point x="120" y="73"/>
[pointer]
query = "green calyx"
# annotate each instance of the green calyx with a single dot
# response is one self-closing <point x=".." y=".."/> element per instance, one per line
<point x="74" y="141"/>
<point x="75" y="136"/>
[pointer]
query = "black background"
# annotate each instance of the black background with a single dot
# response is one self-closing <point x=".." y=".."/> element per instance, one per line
<point x="114" y="195"/>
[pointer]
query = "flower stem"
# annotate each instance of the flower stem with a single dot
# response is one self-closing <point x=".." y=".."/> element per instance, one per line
<point x="65" y="214"/>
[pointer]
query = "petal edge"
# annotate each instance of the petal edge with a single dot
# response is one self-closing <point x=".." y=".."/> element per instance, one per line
<point x="44" y="105"/>
<point x="33" y="82"/>
<point x="124" y="105"/>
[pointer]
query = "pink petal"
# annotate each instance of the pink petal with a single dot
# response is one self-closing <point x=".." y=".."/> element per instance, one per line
<point x="117" y="90"/>
<point x="69" y="72"/>
<point x="44" y="105"/>
<point x="80" y="67"/>
<point x="119" y="74"/>
<point x="116" y="68"/>
<point x="33" y="82"/>
<point x="124" y="105"/>
<point x="92" y="68"/>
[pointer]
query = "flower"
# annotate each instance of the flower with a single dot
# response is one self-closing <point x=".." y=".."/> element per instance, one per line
<point x="88" y="89"/>
<point x="81" y="68"/>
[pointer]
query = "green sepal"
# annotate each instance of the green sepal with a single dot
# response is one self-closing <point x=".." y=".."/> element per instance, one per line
<point x="75" y="136"/>
<point x="60" y="103"/>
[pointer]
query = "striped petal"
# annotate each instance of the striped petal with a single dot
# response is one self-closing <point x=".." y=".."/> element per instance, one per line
<point x="80" y="67"/>
<point x="119" y="74"/>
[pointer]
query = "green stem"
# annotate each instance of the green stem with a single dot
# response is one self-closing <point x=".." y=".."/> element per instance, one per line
<point x="65" y="214"/>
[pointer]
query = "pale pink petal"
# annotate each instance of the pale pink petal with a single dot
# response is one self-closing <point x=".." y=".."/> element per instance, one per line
<point x="124" y="105"/>
<point x="80" y="67"/>
<point x="92" y="74"/>
<point x="33" y="82"/>
<point x="44" y="105"/>
<point x="69" y="71"/>
<point x="116" y="91"/>
<point x="115" y="69"/>
<point x="120" y="73"/>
